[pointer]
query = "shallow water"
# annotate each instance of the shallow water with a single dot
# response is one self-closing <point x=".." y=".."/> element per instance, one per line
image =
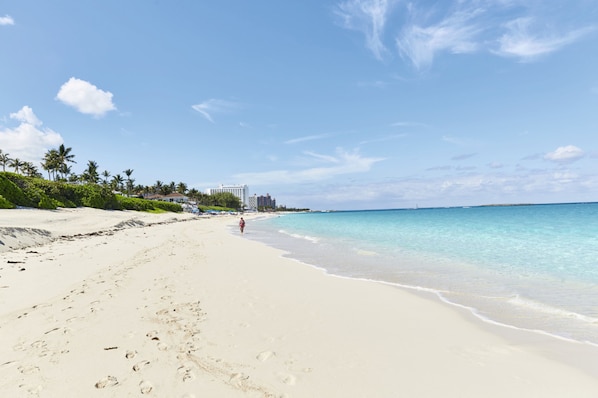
<point x="533" y="267"/>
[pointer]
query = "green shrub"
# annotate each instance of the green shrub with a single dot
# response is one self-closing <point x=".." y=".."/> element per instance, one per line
<point x="18" y="190"/>
<point x="168" y="206"/>
<point x="139" y="204"/>
<point x="62" y="192"/>
<point x="136" y="204"/>
<point x="12" y="192"/>
<point x="96" y="196"/>
<point x="47" y="203"/>
<point x="5" y="204"/>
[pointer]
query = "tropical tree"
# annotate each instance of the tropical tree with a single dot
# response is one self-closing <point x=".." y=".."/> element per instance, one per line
<point x="158" y="186"/>
<point x="128" y="173"/>
<point x="4" y="160"/>
<point x="142" y="189"/>
<point x="193" y="193"/>
<point x="106" y="175"/>
<point x="226" y="199"/>
<point x="91" y="175"/>
<point x="130" y="185"/>
<point x="16" y="164"/>
<point x="51" y="163"/>
<point x="72" y="177"/>
<point x="117" y="183"/>
<point x="29" y="169"/>
<point x="64" y="157"/>
<point x="181" y="188"/>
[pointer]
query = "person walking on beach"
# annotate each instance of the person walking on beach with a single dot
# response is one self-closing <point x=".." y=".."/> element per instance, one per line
<point x="242" y="225"/>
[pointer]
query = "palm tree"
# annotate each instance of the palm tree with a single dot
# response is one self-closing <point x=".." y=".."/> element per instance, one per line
<point x="51" y="163"/>
<point x="72" y="177"/>
<point x="4" y="159"/>
<point x="16" y="164"/>
<point x="130" y="186"/>
<point x="90" y="174"/>
<point x="106" y="175"/>
<point x="193" y="193"/>
<point x="117" y="182"/>
<point x="158" y="186"/>
<point x="128" y="173"/>
<point x="181" y="188"/>
<point x="29" y="169"/>
<point x="64" y="157"/>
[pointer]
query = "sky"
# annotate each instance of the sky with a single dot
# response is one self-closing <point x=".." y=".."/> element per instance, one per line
<point x="327" y="105"/>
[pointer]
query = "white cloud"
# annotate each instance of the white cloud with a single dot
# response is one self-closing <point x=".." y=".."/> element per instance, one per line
<point x="522" y="42"/>
<point x="507" y="28"/>
<point x="369" y="17"/>
<point x="306" y="138"/>
<point x="212" y="106"/>
<point x="339" y="164"/>
<point x="27" y="116"/>
<point x="28" y="141"/>
<point x="457" y="34"/>
<point x="85" y="97"/>
<point x="7" y="20"/>
<point x="565" y="154"/>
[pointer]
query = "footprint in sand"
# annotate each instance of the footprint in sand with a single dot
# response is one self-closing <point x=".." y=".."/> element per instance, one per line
<point x="139" y="365"/>
<point x="108" y="381"/>
<point x="186" y="370"/>
<point x="287" y="379"/>
<point x="146" y="387"/>
<point x="265" y="355"/>
<point x="130" y="354"/>
<point x="162" y="346"/>
<point x="28" y="369"/>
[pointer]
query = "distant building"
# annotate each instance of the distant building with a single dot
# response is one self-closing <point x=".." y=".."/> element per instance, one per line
<point x="266" y="201"/>
<point x="252" y="205"/>
<point x="173" y="197"/>
<point x="240" y="191"/>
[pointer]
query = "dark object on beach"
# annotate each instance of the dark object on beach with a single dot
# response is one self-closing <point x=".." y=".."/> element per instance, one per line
<point x="15" y="262"/>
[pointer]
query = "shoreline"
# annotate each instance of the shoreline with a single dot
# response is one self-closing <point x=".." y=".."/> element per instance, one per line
<point x="166" y="307"/>
<point x="545" y="304"/>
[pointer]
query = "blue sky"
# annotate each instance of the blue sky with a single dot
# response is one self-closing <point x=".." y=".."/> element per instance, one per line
<point x="322" y="104"/>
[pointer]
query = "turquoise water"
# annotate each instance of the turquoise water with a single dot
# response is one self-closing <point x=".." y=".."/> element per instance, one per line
<point x="532" y="267"/>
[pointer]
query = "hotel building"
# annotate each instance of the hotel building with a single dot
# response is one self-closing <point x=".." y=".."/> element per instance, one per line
<point x="240" y="191"/>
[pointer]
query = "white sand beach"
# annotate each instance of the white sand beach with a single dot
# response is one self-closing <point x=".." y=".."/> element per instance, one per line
<point x="124" y="304"/>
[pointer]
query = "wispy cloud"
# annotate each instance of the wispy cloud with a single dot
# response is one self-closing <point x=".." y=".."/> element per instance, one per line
<point x="508" y="28"/>
<point x="463" y="156"/>
<point x="7" y="20"/>
<point x="212" y="106"/>
<point x="306" y="138"/>
<point x="456" y="33"/>
<point x="526" y="43"/>
<point x="408" y="124"/>
<point x="368" y="17"/>
<point x="85" y="97"/>
<point x="342" y="162"/>
<point x="391" y="137"/>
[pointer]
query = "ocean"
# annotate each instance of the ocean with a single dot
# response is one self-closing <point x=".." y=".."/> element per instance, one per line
<point x="532" y="267"/>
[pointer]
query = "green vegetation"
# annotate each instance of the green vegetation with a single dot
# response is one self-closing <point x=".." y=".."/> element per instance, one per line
<point x="92" y="188"/>
<point x="17" y="190"/>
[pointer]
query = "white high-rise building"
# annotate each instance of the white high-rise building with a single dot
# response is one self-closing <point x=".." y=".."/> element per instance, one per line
<point x="240" y="191"/>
